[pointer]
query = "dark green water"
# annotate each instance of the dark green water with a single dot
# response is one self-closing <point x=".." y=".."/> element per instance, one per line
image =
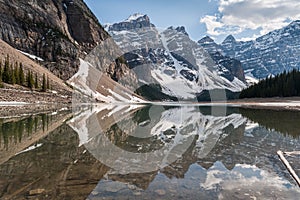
<point x="156" y="152"/>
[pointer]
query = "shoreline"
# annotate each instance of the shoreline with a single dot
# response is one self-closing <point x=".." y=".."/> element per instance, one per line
<point x="12" y="96"/>
<point x="17" y="111"/>
<point x="10" y="109"/>
<point x="277" y="103"/>
<point x="286" y="103"/>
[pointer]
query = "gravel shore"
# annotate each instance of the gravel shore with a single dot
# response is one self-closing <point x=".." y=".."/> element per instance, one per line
<point x="287" y="103"/>
<point x="16" y="103"/>
<point x="27" y="96"/>
<point x="29" y="109"/>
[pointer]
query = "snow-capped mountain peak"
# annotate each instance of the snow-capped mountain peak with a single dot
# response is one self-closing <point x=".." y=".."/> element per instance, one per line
<point x="135" y="21"/>
<point x="209" y="45"/>
<point x="295" y="23"/>
<point x="269" y="54"/>
<point x="170" y="59"/>
<point x="229" y="39"/>
<point x="135" y="17"/>
<point x="206" y="40"/>
<point x="180" y="29"/>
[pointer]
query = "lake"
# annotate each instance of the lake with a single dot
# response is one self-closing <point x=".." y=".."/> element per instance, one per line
<point x="149" y="152"/>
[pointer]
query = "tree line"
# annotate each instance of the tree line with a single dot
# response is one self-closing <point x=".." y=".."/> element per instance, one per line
<point x="14" y="74"/>
<point x="14" y="131"/>
<point x="286" y="84"/>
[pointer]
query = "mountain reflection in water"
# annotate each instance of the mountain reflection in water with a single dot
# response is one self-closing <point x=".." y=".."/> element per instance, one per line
<point x="149" y="152"/>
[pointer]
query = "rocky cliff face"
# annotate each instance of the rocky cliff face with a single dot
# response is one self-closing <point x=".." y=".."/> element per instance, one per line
<point x="59" y="31"/>
<point x="233" y="67"/>
<point x="140" y="21"/>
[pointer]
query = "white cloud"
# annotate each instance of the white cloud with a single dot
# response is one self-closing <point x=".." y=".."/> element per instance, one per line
<point x="211" y="24"/>
<point x="244" y="39"/>
<point x="236" y="16"/>
<point x="248" y="181"/>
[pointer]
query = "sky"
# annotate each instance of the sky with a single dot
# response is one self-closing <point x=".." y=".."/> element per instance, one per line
<point x="244" y="19"/>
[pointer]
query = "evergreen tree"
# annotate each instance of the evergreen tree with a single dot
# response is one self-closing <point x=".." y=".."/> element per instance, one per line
<point x="16" y="73"/>
<point x="21" y="75"/>
<point x="5" y="76"/>
<point x="286" y="84"/>
<point x="48" y="83"/>
<point x="30" y="82"/>
<point x="36" y="82"/>
<point x="12" y="75"/>
<point x="1" y="84"/>
<point x="44" y="84"/>
<point x="0" y="68"/>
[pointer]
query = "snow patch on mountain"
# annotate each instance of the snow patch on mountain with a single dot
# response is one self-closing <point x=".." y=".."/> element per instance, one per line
<point x="97" y="87"/>
<point x="134" y="17"/>
<point x="171" y="59"/>
<point x="31" y="56"/>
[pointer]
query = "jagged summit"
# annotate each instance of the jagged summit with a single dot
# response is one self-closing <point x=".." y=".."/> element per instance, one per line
<point x="136" y="16"/>
<point x="292" y="27"/>
<point x="229" y="39"/>
<point x="296" y="22"/>
<point x="210" y="45"/>
<point x="135" y="21"/>
<point x="171" y="56"/>
<point x="232" y="65"/>
<point x="269" y="54"/>
<point x="206" y="40"/>
<point x="180" y="29"/>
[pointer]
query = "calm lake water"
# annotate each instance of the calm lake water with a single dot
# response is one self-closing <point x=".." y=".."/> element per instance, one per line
<point x="150" y="152"/>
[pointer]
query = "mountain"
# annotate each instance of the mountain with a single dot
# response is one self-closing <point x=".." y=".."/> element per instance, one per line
<point x="271" y="54"/>
<point x="170" y="60"/>
<point x="233" y="66"/>
<point x="58" y="31"/>
<point x="135" y="21"/>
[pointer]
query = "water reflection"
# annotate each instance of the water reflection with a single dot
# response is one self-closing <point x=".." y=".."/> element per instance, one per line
<point x="151" y="138"/>
<point x="286" y="122"/>
<point x="13" y="130"/>
<point x="16" y="134"/>
<point x="174" y="153"/>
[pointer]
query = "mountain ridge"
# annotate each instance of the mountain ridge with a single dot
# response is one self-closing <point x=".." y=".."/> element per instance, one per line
<point x="170" y="56"/>
<point x="270" y="54"/>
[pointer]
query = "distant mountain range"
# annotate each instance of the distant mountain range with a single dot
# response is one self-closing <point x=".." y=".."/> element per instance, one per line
<point x="269" y="54"/>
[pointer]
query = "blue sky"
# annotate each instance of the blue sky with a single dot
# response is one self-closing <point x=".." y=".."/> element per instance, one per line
<point x="245" y="19"/>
